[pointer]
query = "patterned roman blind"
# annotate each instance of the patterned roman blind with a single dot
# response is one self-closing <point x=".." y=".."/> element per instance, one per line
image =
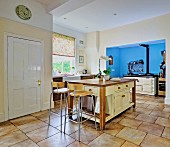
<point x="63" y="45"/>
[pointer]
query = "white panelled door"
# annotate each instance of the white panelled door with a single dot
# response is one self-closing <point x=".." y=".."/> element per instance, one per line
<point x="24" y="76"/>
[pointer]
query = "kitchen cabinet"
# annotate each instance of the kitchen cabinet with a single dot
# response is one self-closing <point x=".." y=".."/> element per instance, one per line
<point x="146" y="85"/>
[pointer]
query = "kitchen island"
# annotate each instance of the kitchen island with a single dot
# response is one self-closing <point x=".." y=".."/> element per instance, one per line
<point x="114" y="97"/>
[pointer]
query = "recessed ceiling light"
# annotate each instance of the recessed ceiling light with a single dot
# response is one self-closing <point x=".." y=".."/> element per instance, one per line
<point x="115" y="14"/>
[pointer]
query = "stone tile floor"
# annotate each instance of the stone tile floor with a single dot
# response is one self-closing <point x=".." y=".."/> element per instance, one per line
<point x="148" y="125"/>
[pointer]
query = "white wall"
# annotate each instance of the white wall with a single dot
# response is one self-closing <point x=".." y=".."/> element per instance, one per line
<point x="79" y="36"/>
<point x="144" y="31"/>
<point x="40" y="18"/>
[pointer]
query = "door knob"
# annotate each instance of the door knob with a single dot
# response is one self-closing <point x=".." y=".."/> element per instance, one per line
<point x="39" y="82"/>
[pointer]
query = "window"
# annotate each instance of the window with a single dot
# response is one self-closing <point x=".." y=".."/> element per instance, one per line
<point x="63" y="54"/>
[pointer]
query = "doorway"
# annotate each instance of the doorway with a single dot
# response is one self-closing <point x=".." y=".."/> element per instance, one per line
<point x="24" y="76"/>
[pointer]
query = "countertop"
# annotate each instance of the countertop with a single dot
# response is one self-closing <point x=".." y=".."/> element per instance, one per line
<point x="100" y="83"/>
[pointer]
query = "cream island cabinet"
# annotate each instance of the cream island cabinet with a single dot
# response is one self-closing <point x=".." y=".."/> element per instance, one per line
<point x="112" y="97"/>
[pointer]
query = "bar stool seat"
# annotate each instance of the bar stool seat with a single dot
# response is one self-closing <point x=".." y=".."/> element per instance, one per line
<point x="61" y="90"/>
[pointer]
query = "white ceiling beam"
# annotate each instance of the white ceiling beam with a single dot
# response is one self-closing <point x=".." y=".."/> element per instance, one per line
<point x="55" y="4"/>
<point x="68" y="6"/>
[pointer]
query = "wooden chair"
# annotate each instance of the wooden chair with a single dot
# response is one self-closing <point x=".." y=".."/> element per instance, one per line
<point x="76" y="91"/>
<point x="61" y="90"/>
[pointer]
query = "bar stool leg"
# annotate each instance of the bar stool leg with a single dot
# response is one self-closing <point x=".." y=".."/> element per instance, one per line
<point x="66" y="103"/>
<point x="93" y="103"/>
<point x="61" y="111"/>
<point x="81" y="105"/>
<point x="79" y="117"/>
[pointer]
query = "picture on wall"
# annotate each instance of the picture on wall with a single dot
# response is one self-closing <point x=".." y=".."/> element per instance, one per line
<point x="81" y="59"/>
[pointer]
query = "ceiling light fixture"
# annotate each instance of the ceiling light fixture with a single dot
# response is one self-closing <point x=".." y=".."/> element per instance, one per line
<point x="65" y="18"/>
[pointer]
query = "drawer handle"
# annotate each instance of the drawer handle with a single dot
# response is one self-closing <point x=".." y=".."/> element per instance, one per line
<point x="126" y="85"/>
<point x="123" y="95"/>
<point x="118" y="87"/>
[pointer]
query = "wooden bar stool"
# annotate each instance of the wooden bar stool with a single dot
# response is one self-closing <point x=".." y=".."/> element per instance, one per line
<point x="76" y="91"/>
<point x="60" y="89"/>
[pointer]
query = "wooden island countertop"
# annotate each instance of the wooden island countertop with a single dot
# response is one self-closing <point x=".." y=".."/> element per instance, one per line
<point x="106" y="88"/>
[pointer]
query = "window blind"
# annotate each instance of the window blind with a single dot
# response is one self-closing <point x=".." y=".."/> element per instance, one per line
<point x="63" y="45"/>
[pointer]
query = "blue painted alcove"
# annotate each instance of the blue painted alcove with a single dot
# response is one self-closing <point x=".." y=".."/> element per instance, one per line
<point x="122" y="55"/>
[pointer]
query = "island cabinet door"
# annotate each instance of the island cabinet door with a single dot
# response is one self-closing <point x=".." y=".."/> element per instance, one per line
<point x="126" y="100"/>
<point x="118" y="103"/>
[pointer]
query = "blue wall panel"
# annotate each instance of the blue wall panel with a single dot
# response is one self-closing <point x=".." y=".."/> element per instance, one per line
<point x="116" y="59"/>
<point x="122" y="56"/>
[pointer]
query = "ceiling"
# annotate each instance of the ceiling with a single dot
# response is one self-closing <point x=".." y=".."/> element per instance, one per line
<point x="97" y="15"/>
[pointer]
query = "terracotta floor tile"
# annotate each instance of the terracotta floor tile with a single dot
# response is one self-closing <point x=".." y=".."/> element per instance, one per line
<point x="45" y="117"/>
<point x="77" y="144"/>
<point x="129" y="144"/>
<point x="7" y="128"/>
<point x="42" y="133"/>
<point x="163" y="122"/>
<point x="155" y="141"/>
<point x="167" y="109"/>
<point x="116" y="130"/>
<point x="160" y="114"/>
<point x="39" y="113"/>
<point x="131" y="115"/>
<point x="140" y="101"/>
<point x="32" y="126"/>
<point x="91" y="124"/>
<point x="117" y="118"/>
<point x="151" y="128"/>
<point x="106" y="140"/>
<point x="26" y="143"/>
<point x="146" y="118"/>
<point x="23" y="120"/>
<point x="12" y="138"/>
<point x="153" y="107"/>
<point x="87" y="135"/>
<point x="166" y="133"/>
<point x="130" y="122"/>
<point x="143" y="110"/>
<point x="142" y="105"/>
<point x="58" y="140"/>
<point x="56" y="121"/>
<point x="131" y="135"/>
<point x="113" y="128"/>
<point x="71" y="127"/>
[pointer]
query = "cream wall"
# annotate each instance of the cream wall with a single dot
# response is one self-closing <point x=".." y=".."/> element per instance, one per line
<point x="28" y="31"/>
<point x="40" y="18"/>
<point x="152" y="29"/>
<point x="38" y="27"/>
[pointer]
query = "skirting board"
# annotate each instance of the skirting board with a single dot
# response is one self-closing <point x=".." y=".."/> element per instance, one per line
<point x="47" y="106"/>
<point x="2" y="118"/>
<point x="167" y="101"/>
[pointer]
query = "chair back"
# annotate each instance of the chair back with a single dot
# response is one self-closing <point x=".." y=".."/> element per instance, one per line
<point x="57" y="85"/>
<point x="73" y="87"/>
